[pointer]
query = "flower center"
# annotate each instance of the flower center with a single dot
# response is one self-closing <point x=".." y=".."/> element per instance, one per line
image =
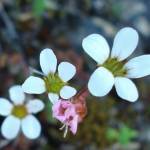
<point x="53" y="83"/>
<point x="115" y="67"/>
<point x="19" y="111"/>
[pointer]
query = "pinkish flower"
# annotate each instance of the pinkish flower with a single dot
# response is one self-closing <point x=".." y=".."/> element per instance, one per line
<point x="71" y="113"/>
<point x="65" y="112"/>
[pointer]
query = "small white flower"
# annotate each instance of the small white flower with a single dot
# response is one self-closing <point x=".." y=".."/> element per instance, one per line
<point x="19" y="115"/>
<point x="53" y="83"/>
<point x="112" y="70"/>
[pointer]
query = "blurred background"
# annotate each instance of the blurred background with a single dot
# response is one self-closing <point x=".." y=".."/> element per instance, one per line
<point x="28" y="26"/>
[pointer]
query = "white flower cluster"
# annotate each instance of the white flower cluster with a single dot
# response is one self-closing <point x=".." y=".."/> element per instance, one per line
<point x="18" y="114"/>
<point x="55" y="84"/>
<point x="111" y="70"/>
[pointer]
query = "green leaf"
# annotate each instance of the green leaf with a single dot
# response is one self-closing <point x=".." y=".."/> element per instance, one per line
<point x="126" y="134"/>
<point x="38" y="7"/>
<point x="112" y="134"/>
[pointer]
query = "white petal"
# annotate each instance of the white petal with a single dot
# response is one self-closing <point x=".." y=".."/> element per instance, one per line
<point x="31" y="127"/>
<point x="35" y="106"/>
<point x="126" y="89"/>
<point x="97" y="47"/>
<point x="125" y="43"/>
<point x="66" y="71"/>
<point x="100" y="82"/>
<point x="67" y="92"/>
<point x="16" y="94"/>
<point x="138" y="67"/>
<point x="34" y="85"/>
<point x="10" y="127"/>
<point x="53" y="97"/>
<point x="5" y="107"/>
<point x="48" y="61"/>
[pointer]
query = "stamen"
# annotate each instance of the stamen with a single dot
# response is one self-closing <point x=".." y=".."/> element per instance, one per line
<point x="32" y="70"/>
<point x="19" y="111"/>
<point x="66" y="131"/>
<point x="53" y="83"/>
<point x="62" y="127"/>
<point x="115" y="66"/>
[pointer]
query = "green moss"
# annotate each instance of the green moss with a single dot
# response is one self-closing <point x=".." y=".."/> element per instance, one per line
<point x="94" y="127"/>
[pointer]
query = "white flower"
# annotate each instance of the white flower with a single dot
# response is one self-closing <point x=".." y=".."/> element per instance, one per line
<point x="19" y="115"/>
<point x="53" y="83"/>
<point x="112" y="70"/>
